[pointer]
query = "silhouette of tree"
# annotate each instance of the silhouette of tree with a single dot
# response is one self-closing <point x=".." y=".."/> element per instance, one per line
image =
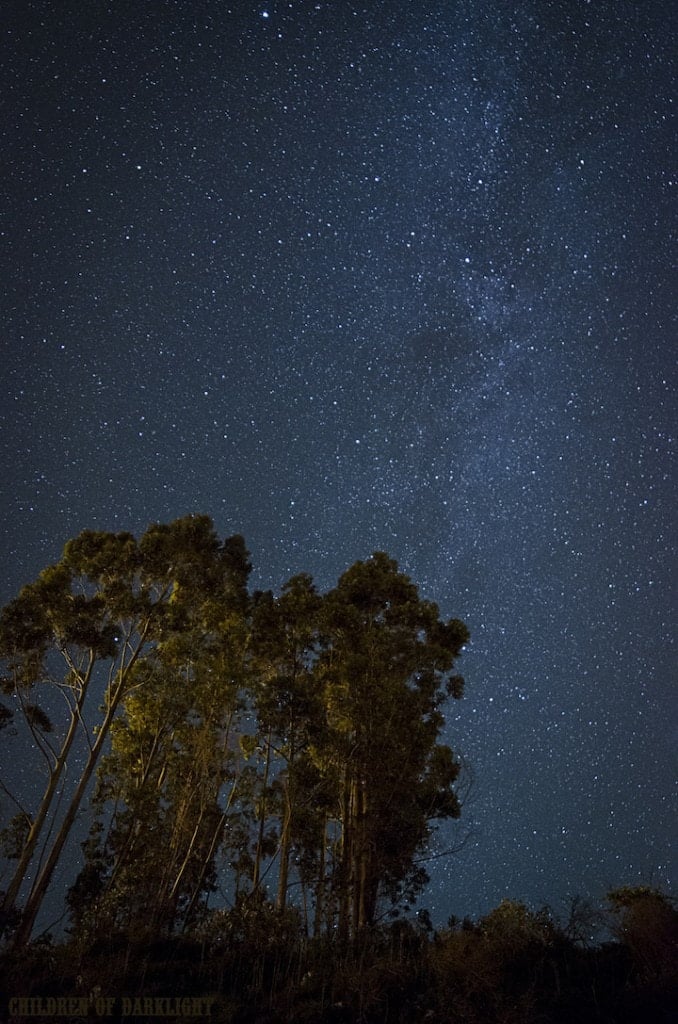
<point x="386" y="669"/>
<point x="82" y="629"/>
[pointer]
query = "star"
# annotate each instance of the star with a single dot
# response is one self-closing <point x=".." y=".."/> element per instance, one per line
<point x="396" y="282"/>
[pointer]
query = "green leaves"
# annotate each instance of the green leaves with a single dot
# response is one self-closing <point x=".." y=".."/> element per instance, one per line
<point x="384" y="667"/>
<point x="248" y="745"/>
<point x="24" y="627"/>
<point x="13" y="836"/>
<point x="297" y="734"/>
<point x="37" y="718"/>
<point x="102" y="557"/>
<point x="184" y="552"/>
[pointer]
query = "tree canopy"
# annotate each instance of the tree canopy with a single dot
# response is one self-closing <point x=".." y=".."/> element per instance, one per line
<point x="280" y="747"/>
<point x="254" y="780"/>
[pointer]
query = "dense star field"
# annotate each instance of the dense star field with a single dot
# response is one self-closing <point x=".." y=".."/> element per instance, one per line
<point x="377" y="276"/>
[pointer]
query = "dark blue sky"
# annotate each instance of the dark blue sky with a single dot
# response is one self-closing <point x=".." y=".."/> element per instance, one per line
<point x="357" y="276"/>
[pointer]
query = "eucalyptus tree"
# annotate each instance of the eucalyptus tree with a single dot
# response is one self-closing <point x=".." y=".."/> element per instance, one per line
<point x="72" y="644"/>
<point x="386" y="669"/>
<point x="289" y="712"/>
<point x="165" y="791"/>
<point x="225" y="729"/>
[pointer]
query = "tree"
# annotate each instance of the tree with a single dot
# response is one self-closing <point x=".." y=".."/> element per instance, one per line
<point x="78" y="633"/>
<point x="289" y="713"/>
<point x="646" y="922"/>
<point x="167" y="786"/>
<point x="386" y="669"/>
<point x="231" y="731"/>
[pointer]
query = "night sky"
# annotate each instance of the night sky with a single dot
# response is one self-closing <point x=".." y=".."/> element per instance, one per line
<point x="377" y="276"/>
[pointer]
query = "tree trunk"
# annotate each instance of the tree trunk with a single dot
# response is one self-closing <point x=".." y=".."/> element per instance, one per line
<point x="345" y="859"/>
<point x="256" y="871"/>
<point x="55" y="774"/>
<point x="363" y="861"/>
<point x="285" y="844"/>
<point x="44" y="878"/>
<point x="320" y="886"/>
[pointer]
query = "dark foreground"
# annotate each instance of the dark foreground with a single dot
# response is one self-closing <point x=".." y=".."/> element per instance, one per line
<point x="513" y="967"/>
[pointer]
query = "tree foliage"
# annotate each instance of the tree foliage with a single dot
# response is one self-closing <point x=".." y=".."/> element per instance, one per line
<point x="79" y="640"/>
<point x="256" y="746"/>
<point x="384" y="668"/>
<point x="262" y="775"/>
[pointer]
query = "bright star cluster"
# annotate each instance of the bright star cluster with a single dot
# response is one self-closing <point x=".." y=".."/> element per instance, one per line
<point x="364" y="275"/>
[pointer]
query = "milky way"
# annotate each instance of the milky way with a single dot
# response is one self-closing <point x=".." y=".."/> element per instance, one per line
<point x="385" y="276"/>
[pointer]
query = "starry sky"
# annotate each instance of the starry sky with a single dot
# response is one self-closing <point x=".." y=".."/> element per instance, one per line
<point x="377" y="276"/>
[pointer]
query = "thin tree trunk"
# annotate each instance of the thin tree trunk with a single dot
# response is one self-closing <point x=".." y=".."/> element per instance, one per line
<point x="256" y="871"/>
<point x="356" y="851"/>
<point x="55" y="774"/>
<point x="286" y="827"/>
<point x="44" y="878"/>
<point x="362" y="859"/>
<point x="203" y="868"/>
<point x="347" y="859"/>
<point x="320" y="887"/>
<point x="285" y="843"/>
